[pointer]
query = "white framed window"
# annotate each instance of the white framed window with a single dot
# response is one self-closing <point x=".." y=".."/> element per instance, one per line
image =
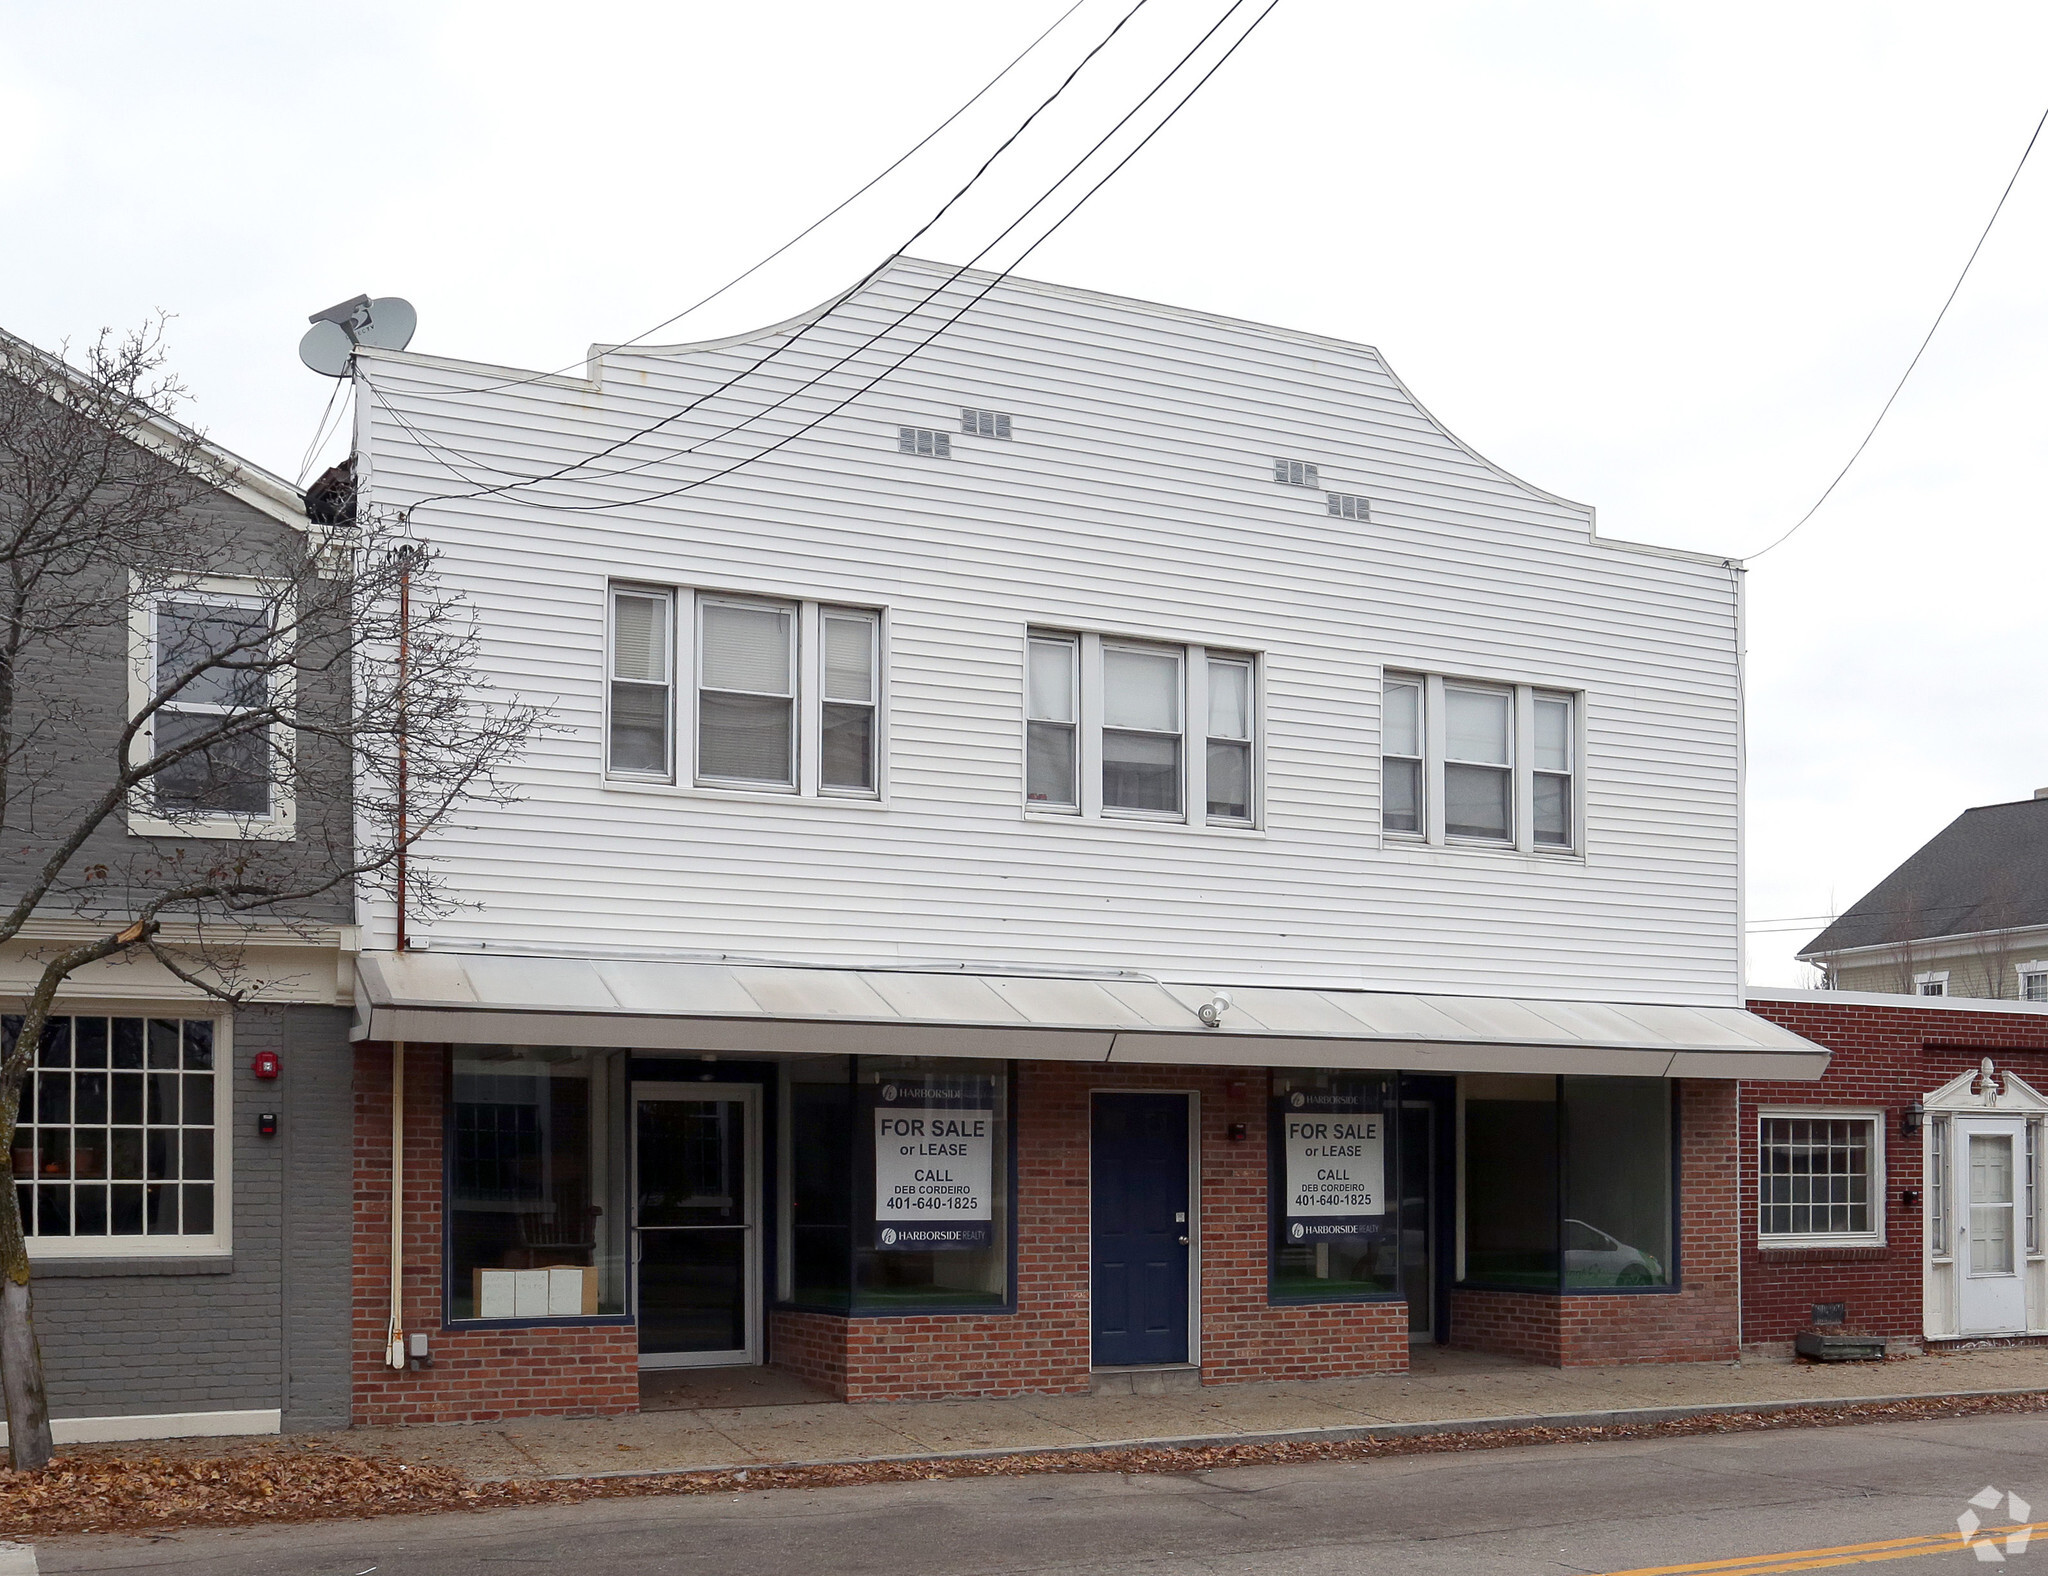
<point x="1937" y="1186"/>
<point x="1401" y="785"/>
<point x="640" y="696"/>
<point x="1142" y="706"/>
<point x="122" y="1147"/>
<point x="1931" y="984"/>
<point x="238" y="786"/>
<point x="1052" y="716"/>
<point x="1229" y="773"/>
<point x="1479" y="762"/>
<point x="2033" y="981"/>
<point x="746" y="693"/>
<point x="1551" y="794"/>
<point x="1140" y="730"/>
<point x="850" y="655"/>
<point x="1820" y="1177"/>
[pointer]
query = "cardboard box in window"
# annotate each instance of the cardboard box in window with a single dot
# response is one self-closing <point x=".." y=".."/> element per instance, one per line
<point x="566" y="1291"/>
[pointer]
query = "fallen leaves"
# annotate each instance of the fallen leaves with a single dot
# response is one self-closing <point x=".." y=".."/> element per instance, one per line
<point x="298" y="1480"/>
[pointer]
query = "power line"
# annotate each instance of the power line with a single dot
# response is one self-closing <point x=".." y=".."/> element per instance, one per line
<point x="911" y="313"/>
<point x="985" y="289"/>
<point x="818" y="223"/>
<point x="785" y="345"/>
<point x="1853" y="458"/>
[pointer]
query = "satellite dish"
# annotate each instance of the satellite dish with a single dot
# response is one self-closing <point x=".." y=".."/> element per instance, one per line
<point x="387" y="323"/>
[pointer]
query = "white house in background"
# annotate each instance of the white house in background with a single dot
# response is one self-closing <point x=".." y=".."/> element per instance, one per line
<point x="1017" y="675"/>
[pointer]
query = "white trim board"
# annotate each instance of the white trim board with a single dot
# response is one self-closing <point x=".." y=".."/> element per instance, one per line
<point x="160" y="1425"/>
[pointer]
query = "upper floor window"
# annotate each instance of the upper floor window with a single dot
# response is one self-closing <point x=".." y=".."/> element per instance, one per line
<point x="735" y="702"/>
<point x="1052" y="707"/>
<point x="1141" y="738"/>
<point x="746" y="693"/>
<point x="985" y="423"/>
<point x="2034" y="983"/>
<point x="1931" y="984"/>
<point x="1296" y="473"/>
<point x="1470" y="762"/>
<point x="1107" y="726"/>
<point x="641" y="700"/>
<point x="231" y="773"/>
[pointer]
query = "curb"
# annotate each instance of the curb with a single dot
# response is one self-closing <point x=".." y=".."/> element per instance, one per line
<point x="1341" y="1434"/>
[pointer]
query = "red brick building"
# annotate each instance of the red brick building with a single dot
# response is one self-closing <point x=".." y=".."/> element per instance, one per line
<point x="1904" y="1185"/>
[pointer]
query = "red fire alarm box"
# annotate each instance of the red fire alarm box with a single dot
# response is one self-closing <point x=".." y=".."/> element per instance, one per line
<point x="265" y="1065"/>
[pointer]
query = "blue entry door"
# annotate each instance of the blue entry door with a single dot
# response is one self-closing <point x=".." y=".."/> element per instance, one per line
<point x="1139" y="1210"/>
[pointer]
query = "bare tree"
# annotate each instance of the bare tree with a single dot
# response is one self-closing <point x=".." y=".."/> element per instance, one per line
<point x="1997" y="918"/>
<point x="1904" y="920"/>
<point x="188" y="764"/>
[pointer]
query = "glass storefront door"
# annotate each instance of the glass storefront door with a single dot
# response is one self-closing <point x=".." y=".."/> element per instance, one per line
<point x="696" y="1223"/>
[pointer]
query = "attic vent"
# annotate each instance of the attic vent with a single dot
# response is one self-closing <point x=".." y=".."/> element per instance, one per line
<point x="1295" y="473"/>
<point x="985" y="423"/>
<point x="1349" y="507"/>
<point x="922" y="440"/>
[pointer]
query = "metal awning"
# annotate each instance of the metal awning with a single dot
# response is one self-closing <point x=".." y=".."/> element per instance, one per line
<point x="756" y="1008"/>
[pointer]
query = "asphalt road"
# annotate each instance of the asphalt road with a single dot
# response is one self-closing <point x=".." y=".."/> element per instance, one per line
<point x="1804" y="1499"/>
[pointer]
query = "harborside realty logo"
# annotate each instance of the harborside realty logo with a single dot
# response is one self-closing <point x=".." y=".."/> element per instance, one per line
<point x="1989" y="1547"/>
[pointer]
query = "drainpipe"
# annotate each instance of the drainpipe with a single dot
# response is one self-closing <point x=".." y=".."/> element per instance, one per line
<point x="394" y="1350"/>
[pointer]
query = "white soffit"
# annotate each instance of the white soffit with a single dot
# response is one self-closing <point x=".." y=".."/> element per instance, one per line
<point x="478" y="999"/>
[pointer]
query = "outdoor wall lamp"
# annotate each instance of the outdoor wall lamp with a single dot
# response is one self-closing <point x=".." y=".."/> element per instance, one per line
<point x="1912" y="1119"/>
<point x="1211" y="1011"/>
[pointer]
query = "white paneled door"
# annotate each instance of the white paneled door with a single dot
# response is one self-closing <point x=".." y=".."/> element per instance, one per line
<point x="1991" y="1250"/>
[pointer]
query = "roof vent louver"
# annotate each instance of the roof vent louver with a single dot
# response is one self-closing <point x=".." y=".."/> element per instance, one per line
<point x="1295" y="473"/>
<point x="1349" y="506"/>
<point x="923" y="440"/>
<point x="985" y="423"/>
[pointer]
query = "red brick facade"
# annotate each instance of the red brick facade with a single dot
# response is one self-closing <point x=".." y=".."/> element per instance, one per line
<point x="478" y="1375"/>
<point x="1044" y="1345"/>
<point x="1885" y="1058"/>
<point x="1697" y="1323"/>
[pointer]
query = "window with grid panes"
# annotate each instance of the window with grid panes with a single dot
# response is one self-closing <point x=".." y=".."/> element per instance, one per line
<point x="1814" y="1177"/>
<point x="117" y="1131"/>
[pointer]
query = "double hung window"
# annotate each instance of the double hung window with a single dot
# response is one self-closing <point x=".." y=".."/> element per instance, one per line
<point x="2034" y="983"/>
<point x="642" y="699"/>
<point x="850" y="657"/>
<point x="1230" y="739"/>
<point x="1478" y="763"/>
<point x="1479" y="760"/>
<point x="231" y="770"/>
<point x="746" y="693"/>
<point x="1141" y="730"/>
<point x="743" y="692"/>
<point x="1052" y="706"/>
<point x="1401" y="757"/>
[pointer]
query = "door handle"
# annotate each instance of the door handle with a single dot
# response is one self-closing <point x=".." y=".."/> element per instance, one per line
<point x="1183" y="1241"/>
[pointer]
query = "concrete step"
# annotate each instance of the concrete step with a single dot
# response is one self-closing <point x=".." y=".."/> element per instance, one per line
<point x="1159" y="1379"/>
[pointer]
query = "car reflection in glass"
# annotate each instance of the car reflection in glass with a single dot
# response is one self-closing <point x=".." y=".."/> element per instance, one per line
<point x="1593" y="1258"/>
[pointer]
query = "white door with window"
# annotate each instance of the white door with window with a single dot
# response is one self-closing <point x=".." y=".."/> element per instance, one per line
<point x="1989" y="1160"/>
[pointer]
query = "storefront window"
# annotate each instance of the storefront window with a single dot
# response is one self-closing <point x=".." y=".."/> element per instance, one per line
<point x="898" y="1184"/>
<point x="1617" y="1169"/>
<point x="536" y="1188"/>
<point x="1510" y="1152"/>
<point x="1332" y="1185"/>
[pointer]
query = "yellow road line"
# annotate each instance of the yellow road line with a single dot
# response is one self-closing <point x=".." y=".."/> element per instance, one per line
<point x="1842" y="1554"/>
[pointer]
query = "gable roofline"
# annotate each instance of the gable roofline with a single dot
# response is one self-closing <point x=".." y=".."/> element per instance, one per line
<point x="599" y="351"/>
<point x="247" y="481"/>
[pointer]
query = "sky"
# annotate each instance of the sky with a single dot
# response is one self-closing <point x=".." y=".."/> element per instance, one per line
<point x="1665" y="259"/>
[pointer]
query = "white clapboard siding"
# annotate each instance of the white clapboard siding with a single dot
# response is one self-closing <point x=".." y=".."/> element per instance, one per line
<point x="1135" y="497"/>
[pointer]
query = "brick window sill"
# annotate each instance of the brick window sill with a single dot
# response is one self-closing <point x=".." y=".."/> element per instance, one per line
<point x="1865" y="1253"/>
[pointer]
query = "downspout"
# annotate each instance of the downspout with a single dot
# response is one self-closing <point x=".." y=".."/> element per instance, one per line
<point x="394" y="1350"/>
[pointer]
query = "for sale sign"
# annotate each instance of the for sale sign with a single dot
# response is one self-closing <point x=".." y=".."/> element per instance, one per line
<point x="1336" y="1164"/>
<point x="935" y="1163"/>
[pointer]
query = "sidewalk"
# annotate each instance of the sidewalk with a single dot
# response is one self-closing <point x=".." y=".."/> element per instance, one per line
<point x="751" y="1417"/>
